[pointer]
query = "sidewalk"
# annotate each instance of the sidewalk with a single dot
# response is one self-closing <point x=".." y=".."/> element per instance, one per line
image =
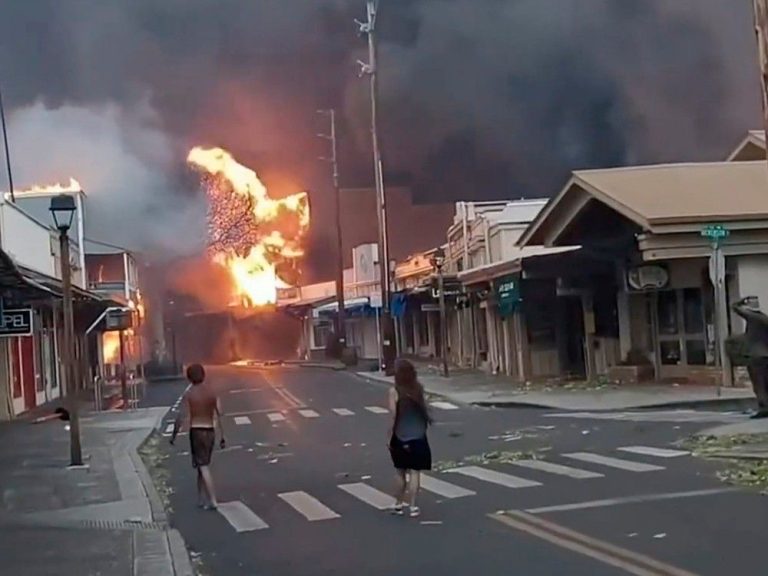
<point x="474" y="387"/>
<point x="102" y="519"/>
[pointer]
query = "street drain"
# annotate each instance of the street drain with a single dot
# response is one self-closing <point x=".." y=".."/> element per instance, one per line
<point x="121" y="525"/>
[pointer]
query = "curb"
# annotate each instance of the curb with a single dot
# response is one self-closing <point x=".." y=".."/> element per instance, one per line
<point x="721" y="403"/>
<point x="179" y="555"/>
<point x="319" y="366"/>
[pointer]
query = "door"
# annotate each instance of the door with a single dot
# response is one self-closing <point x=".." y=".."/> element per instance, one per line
<point x="573" y="361"/>
<point x="27" y="350"/>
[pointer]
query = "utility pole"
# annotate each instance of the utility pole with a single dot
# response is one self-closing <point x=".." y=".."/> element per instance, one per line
<point x="7" y="151"/>
<point x="340" y="317"/>
<point x="761" y="31"/>
<point x="371" y="69"/>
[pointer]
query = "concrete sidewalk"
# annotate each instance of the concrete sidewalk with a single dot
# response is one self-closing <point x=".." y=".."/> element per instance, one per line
<point x="104" y="518"/>
<point x="472" y="387"/>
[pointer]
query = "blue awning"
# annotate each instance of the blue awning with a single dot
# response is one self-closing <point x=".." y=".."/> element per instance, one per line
<point x="398" y="304"/>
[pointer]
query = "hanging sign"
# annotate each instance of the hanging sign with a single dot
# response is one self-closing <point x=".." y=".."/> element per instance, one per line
<point x="15" y="322"/>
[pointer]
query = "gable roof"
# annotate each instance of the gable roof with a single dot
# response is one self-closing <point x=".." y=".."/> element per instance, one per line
<point x="752" y="147"/>
<point x="656" y="196"/>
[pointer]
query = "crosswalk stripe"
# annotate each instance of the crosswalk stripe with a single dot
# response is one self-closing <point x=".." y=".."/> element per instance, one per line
<point x="652" y="451"/>
<point x="309" y="507"/>
<point x="613" y="462"/>
<point x="241" y="517"/>
<point x="242" y="420"/>
<point x="494" y="477"/>
<point x="377" y="409"/>
<point x="444" y="489"/>
<point x="369" y="495"/>
<point x="343" y="412"/>
<point x="309" y="413"/>
<point x="275" y="417"/>
<point x="444" y="406"/>
<point x="553" y="468"/>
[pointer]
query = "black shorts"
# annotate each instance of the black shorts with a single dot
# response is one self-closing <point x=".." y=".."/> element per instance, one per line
<point x="201" y="441"/>
<point x="410" y="455"/>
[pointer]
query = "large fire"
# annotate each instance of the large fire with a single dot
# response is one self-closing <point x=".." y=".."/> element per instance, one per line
<point x="72" y="186"/>
<point x="249" y="233"/>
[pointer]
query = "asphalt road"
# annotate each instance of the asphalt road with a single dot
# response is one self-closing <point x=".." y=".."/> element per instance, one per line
<point x="307" y="466"/>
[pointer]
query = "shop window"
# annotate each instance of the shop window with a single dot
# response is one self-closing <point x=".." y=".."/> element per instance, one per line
<point x="682" y="327"/>
<point x="667" y="311"/>
<point x="322" y="330"/>
<point x="423" y="329"/>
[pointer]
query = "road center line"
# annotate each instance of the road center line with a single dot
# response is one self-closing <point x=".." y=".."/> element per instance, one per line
<point x="629" y="500"/>
<point x="632" y="562"/>
<point x="343" y="412"/>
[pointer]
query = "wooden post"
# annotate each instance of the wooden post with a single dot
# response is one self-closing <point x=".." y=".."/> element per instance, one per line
<point x="761" y="31"/>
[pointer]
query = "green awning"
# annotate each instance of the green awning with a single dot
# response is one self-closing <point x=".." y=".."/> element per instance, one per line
<point x="507" y="290"/>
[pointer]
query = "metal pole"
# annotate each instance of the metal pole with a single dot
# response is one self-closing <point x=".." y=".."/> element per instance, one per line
<point x="760" y="8"/>
<point x="123" y="382"/>
<point x="7" y="151"/>
<point x="443" y="331"/>
<point x="75" y="450"/>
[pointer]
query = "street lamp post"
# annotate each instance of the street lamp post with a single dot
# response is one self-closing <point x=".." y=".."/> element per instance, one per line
<point x="438" y="261"/>
<point x="63" y="209"/>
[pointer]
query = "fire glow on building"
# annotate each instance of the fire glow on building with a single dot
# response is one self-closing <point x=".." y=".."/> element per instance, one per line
<point x="251" y="235"/>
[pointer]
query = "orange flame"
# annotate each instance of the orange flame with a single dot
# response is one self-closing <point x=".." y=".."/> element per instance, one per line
<point x="110" y="345"/>
<point x="73" y="186"/>
<point x="250" y="234"/>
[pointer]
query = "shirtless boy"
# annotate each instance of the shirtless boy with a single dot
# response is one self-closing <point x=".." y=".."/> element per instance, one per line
<point x="202" y="405"/>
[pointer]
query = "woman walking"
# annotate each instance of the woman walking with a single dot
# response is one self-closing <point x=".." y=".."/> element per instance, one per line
<point x="408" y="444"/>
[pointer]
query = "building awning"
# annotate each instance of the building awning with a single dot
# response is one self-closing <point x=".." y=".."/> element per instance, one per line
<point x="333" y="307"/>
<point x="489" y="272"/>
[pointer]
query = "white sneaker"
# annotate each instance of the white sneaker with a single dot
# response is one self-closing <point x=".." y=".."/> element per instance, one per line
<point x="398" y="509"/>
<point x="415" y="512"/>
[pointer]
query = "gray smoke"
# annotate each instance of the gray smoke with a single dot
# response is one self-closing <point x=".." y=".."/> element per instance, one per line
<point x="480" y="98"/>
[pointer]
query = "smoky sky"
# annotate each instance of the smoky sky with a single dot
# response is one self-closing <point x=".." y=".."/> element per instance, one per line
<point x="479" y="99"/>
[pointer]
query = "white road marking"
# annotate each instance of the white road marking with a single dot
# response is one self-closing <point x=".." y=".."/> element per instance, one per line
<point x="377" y="409"/>
<point x="275" y="417"/>
<point x="553" y="468"/>
<point x="629" y="500"/>
<point x="241" y="517"/>
<point x="247" y="390"/>
<point x="444" y="489"/>
<point x="309" y="413"/>
<point x="652" y="451"/>
<point x="169" y="428"/>
<point x="444" y="406"/>
<point x="369" y="495"/>
<point x="242" y="420"/>
<point x="614" y="462"/>
<point x="309" y="507"/>
<point x="343" y="412"/>
<point x="494" y="477"/>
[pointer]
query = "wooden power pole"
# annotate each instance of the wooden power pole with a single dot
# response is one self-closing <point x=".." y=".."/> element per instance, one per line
<point x="761" y="31"/>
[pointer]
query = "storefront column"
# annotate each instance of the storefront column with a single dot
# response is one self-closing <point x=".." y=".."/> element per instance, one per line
<point x="587" y="306"/>
<point x="625" y="322"/>
<point x="520" y="332"/>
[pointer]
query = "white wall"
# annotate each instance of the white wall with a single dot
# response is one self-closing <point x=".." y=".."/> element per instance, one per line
<point x="752" y="274"/>
<point x="30" y="243"/>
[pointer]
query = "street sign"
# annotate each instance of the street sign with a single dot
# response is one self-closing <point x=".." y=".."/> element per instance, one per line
<point x="118" y="320"/>
<point x="16" y="322"/>
<point x="508" y="296"/>
<point x="715" y="232"/>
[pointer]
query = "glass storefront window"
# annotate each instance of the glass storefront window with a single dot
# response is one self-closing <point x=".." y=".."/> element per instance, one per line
<point x="667" y="312"/>
<point x="693" y="311"/>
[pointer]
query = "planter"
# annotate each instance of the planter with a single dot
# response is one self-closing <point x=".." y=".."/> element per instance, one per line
<point x="631" y="374"/>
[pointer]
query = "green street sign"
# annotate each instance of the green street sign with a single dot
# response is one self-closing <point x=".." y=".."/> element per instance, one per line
<point x="508" y="297"/>
<point x="715" y="232"/>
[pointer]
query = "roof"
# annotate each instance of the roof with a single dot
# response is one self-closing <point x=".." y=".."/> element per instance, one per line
<point x="655" y="196"/>
<point x="752" y="147"/>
